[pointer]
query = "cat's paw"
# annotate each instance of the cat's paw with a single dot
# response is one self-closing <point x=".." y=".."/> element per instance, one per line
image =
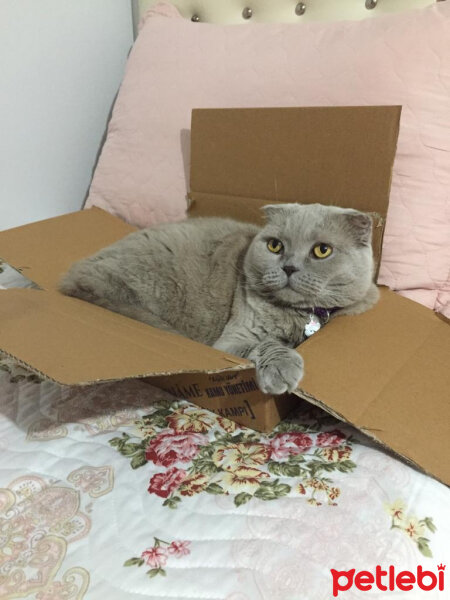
<point x="281" y="374"/>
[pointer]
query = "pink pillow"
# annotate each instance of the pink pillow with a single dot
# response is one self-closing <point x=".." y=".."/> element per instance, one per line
<point x="177" y="65"/>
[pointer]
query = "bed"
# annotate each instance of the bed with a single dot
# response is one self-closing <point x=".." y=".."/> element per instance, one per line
<point x="122" y="491"/>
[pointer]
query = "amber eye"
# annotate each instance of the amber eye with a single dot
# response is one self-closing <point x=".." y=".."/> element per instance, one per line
<point x="275" y="246"/>
<point x="322" y="250"/>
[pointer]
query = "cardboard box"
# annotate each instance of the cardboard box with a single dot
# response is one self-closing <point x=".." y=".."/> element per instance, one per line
<point x="385" y="371"/>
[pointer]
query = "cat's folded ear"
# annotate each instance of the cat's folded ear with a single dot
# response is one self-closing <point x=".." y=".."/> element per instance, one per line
<point x="360" y="226"/>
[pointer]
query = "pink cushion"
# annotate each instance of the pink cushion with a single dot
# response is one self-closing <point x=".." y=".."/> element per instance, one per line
<point x="177" y="65"/>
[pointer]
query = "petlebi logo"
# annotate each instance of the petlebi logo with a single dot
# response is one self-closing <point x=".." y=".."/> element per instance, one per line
<point x="388" y="579"/>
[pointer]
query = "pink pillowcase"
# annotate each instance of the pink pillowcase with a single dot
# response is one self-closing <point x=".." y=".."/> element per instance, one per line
<point x="177" y="65"/>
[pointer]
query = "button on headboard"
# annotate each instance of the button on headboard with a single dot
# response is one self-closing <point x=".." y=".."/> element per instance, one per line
<point x="282" y="11"/>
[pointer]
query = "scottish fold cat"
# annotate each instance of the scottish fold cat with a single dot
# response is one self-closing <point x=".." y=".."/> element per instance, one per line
<point x="248" y="290"/>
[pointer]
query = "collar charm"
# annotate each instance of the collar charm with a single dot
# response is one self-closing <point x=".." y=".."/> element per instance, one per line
<point x="312" y="326"/>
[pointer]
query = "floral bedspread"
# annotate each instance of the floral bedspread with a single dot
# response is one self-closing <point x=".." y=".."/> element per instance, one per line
<point x="119" y="492"/>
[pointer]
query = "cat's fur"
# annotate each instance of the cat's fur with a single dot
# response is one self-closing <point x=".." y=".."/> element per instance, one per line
<point x="215" y="281"/>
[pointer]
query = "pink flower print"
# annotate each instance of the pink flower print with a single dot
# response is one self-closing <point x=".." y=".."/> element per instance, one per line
<point x="155" y="557"/>
<point x="284" y="445"/>
<point x="168" y="448"/>
<point x="330" y="438"/>
<point x="179" y="549"/>
<point x="163" y="484"/>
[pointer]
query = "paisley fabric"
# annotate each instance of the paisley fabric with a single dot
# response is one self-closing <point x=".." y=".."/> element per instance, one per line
<point x="122" y="491"/>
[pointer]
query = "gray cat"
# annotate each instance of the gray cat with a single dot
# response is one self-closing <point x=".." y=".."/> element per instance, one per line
<point x="243" y="289"/>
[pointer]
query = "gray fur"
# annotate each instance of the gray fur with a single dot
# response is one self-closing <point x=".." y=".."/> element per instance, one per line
<point x="215" y="281"/>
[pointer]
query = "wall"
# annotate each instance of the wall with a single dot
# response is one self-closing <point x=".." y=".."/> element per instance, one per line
<point x="61" y="63"/>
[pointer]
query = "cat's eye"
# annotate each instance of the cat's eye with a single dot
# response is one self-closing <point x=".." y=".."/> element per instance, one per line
<point x="275" y="246"/>
<point x="322" y="250"/>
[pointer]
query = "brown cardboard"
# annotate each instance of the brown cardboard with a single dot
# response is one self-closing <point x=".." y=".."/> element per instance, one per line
<point x="339" y="156"/>
<point x="43" y="251"/>
<point x="230" y="394"/>
<point x="73" y="342"/>
<point x="384" y="371"/>
<point x="242" y="159"/>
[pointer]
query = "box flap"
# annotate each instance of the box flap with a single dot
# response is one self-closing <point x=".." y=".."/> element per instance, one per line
<point x="332" y="155"/>
<point x="90" y="344"/>
<point x="386" y="372"/>
<point x="44" y="251"/>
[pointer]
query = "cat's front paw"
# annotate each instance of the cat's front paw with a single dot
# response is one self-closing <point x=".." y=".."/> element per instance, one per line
<point x="281" y="374"/>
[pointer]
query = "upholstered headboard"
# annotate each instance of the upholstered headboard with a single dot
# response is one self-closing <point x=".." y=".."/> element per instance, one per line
<point x="283" y="11"/>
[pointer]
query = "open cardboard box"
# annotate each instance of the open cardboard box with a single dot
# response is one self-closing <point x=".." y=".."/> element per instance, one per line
<point x="385" y="371"/>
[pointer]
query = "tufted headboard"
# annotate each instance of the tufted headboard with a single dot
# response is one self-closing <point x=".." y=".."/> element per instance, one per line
<point x="283" y="11"/>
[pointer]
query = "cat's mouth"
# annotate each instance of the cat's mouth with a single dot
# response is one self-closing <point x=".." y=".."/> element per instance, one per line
<point x="293" y="296"/>
<point x="290" y="291"/>
<point x="305" y="288"/>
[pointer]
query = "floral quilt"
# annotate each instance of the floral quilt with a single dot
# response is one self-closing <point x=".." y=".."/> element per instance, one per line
<point x="121" y="491"/>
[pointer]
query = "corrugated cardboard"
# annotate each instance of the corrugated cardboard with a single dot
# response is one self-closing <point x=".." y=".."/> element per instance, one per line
<point x="387" y="372"/>
<point x="244" y="158"/>
<point x="231" y="394"/>
<point x="384" y="371"/>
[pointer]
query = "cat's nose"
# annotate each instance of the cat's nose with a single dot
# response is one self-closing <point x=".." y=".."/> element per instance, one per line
<point x="289" y="270"/>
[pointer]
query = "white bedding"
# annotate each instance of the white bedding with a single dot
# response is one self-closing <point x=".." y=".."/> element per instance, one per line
<point x="210" y="510"/>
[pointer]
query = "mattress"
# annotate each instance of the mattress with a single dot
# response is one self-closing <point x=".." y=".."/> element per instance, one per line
<point x="121" y="491"/>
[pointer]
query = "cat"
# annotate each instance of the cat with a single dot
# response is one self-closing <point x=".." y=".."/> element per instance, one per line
<point x="244" y="289"/>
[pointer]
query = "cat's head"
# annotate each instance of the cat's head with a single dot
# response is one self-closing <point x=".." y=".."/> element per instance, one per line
<point x="311" y="255"/>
